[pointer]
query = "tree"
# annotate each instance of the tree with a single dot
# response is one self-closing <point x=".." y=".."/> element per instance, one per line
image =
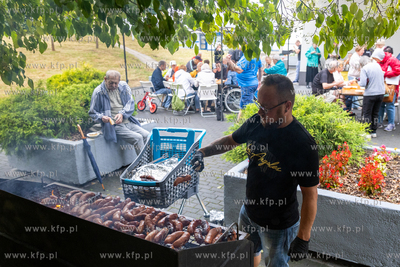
<point x="350" y="23"/>
<point x="167" y="23"/>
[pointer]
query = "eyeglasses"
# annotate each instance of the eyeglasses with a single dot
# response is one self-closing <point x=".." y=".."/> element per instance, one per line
<point x="265" y="110"/>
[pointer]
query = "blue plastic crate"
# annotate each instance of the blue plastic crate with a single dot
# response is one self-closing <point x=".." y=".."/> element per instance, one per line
<point x="162" y="194"/>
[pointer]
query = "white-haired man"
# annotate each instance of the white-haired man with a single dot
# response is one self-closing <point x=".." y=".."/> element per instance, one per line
<point x="324" y="80"/>
<point x="112" y="99"/>
<point x="278" y="68"/>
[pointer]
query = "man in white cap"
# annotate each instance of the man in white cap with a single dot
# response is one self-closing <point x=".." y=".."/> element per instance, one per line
<point x="171" y="70"/>
<point x="380" y="44"/>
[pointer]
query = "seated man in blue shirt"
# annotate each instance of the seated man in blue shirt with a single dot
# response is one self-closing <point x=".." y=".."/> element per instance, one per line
<point x="158" y="84"/>
<point x="278" y="68"/>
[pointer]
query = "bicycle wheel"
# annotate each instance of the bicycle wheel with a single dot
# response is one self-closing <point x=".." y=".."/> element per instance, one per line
<point x="141" y="105"/>
<point x="153" y="108"/>
<point x="232" y="100"/>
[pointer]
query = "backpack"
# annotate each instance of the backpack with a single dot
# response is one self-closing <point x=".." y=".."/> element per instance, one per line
<point x="176" y="103"/>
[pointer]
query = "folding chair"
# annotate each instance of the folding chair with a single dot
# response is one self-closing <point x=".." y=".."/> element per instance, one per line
<point x="176" y="87"/>
<point x="150" y="88"/>
<point x="208" y="92"/>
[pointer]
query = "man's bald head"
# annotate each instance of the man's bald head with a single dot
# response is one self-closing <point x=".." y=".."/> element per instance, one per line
<point x="282" y="85"/>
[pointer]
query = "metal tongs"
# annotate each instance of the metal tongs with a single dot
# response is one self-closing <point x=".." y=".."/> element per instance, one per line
<point x="228" y="230"/>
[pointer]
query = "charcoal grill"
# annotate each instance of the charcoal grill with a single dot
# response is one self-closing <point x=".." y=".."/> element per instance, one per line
<point x="20" y="208"/>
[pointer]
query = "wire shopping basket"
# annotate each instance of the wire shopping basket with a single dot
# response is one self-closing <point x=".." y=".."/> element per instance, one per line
<point x="163" y="193"/>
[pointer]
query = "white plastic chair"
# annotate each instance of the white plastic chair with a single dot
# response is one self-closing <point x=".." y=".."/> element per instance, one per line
<point x="208" y="92"/>
<point x="175" y="87"/>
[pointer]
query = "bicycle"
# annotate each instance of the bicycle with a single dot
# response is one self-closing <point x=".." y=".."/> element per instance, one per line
<point x="141" y="104"/>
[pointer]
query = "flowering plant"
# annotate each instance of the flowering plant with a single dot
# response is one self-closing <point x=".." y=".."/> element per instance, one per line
<point x="382" y="157"/>
<point x="334" y="166"/>
<point x="372" y="179"/>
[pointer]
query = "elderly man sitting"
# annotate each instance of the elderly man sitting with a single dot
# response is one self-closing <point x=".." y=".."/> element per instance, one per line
<point x="112" y="99"/>
<point x="278" y="68"/>
<point x="324" y="81"/>
<point x="158" y="82"/>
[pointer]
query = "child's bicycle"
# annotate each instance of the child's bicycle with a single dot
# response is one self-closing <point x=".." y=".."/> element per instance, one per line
<point x="148" y="99"/>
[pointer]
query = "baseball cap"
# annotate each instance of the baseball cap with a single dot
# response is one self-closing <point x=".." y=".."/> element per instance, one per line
<point x="198" y="58"/>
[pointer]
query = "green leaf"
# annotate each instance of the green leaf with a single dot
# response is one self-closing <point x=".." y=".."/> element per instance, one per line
<point x="353" y="8"/>
<point x="14" y="37"/>
<point x="30" y="83"/>
<point x="39" y="30"/>
<point x="345" y="9"/>
<point x="42" y="47"/>
<point x="120" y="3"/>
<point x="97" y="30"/>
<point x="226" y="18"/>
<point x="196" y="49"/>
<point x="370" y="22"/>
<point x="86" y="8"/>
<point x="5" y="77"/>
<point x="315" y="39"/>
<point x="359" y="15"/>
<point x="194" y="38"/>
<point x="342" y="51"/>
<point x="218" y="20"/>
<point x="320" y="19"/>
<point x="189" y="43"/>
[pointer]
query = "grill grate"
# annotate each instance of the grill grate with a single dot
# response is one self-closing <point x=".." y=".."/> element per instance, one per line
<point x="61" y="190"/>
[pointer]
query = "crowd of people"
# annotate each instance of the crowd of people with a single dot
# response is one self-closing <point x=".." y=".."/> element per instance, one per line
<point x="375" y="69"/>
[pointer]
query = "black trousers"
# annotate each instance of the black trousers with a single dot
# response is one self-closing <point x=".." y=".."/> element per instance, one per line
<point x="371" y="110"/>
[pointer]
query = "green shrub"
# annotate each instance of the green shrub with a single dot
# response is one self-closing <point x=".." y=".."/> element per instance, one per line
<point x="326" y="122"/>
<point x="54" y="112"/>
<point x="85" y="74"/>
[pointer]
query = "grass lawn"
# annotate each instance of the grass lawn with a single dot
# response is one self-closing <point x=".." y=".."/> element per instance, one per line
<point x="182" y="56"/>
<point x="71" y="54"/>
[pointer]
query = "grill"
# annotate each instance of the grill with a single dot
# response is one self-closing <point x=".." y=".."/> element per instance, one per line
<point x="91" y="244"/>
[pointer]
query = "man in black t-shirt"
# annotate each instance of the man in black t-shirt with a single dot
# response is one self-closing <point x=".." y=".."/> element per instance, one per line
<point x="282" y="155"/>
<point x="298" y="52"/>
<point x="324" y="80"/>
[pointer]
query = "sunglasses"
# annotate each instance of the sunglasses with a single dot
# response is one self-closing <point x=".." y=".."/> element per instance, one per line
<point x="265" y="110"/>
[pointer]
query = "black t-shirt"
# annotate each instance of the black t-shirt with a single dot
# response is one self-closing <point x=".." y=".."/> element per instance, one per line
<point x="324" y="76"/>
<point x="279" y="160"/>
<point x="299" y="54"/>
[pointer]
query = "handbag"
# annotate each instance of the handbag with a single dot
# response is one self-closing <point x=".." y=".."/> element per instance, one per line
<point x="389" y="93"/>
<point x="177" y="104"/>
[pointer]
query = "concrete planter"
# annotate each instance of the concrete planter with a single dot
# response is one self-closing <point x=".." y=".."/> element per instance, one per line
<point x="67" y="161"/>
<point x="346" y="227"/>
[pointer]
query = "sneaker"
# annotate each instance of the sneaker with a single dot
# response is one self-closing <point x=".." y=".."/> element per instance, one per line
<point x="373" y="135"/>
<point x="390" y="128"/>
<point x="295" y="81"/>
<point x="308" y="87"/>
<point x="380" y="125"/>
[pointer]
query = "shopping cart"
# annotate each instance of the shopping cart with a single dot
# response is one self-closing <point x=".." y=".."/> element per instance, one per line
<point x="179" y="142"/>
